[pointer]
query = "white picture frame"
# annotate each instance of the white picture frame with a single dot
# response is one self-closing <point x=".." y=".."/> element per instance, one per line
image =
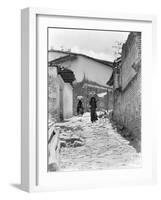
<point x="30" y="145"/>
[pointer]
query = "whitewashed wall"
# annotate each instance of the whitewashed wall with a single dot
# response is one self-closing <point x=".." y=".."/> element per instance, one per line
<point x="81" y="66"/>
<point x="53" y="93"/>
<point x="67" y="101"/>
<point x="93" y="70"/>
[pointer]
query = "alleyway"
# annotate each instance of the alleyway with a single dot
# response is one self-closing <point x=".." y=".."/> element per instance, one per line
<point x="101" y="147"/>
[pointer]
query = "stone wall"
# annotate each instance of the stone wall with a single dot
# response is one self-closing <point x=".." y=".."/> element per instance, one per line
<point x="127" y="106"/>
<point x="110" y="100"/>
<point x="131" y="56"/>
<point x="127" y="99"/>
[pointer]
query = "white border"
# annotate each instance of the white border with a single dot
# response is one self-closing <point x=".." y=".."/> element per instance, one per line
<point x="29" y="105"/>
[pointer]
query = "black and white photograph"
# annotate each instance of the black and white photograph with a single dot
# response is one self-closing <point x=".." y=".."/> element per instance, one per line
<point x="94" y="99"/>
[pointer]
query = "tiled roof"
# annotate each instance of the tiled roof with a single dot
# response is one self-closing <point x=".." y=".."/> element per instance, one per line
<point x="62" y="59"/>
<point x="66" y="74"/>
<point x="71" y="54"/>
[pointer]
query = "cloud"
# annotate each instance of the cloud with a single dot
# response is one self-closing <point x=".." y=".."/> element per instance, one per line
<point x="97" y="44"/>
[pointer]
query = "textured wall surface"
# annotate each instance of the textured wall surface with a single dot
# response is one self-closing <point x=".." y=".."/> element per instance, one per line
<point x="53" y="94"/>
<point x="127" y="106"/>
<point x="131" y="56"/>
<point x="127" y="101"/>
<point x="60" y="97"/>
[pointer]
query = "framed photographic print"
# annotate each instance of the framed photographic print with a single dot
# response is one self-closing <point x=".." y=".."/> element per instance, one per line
<point x="86" y="99"/>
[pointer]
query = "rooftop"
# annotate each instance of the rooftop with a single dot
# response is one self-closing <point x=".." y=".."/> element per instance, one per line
<point x="66" y="74"/>
<point x="71" y="55"/>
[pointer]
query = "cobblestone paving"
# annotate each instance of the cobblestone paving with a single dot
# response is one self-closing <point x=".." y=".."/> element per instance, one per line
<point x="104" y="148"/>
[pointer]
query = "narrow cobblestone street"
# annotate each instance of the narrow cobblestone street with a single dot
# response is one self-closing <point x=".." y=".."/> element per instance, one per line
<point x="103" y="147"/>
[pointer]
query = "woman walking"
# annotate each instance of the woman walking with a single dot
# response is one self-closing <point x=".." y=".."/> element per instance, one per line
<point x="80" y="109"/>
<point x="93" y="106"/>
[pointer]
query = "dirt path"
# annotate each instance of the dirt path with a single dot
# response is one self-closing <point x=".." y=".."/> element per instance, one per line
<point x="103" y="147"/>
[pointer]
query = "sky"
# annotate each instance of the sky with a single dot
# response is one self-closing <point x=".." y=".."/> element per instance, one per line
<point x="97" y="44"/>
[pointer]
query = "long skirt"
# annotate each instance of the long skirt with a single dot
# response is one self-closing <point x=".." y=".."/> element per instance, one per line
<point x="80" y="110"/>
<point x="93" y="115"/>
